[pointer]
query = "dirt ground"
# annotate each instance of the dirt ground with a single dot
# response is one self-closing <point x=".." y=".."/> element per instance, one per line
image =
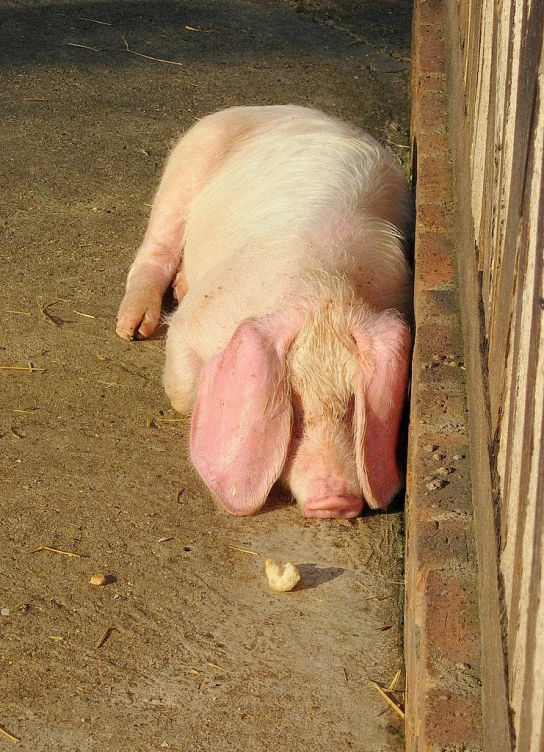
<point x="186" y="647"/>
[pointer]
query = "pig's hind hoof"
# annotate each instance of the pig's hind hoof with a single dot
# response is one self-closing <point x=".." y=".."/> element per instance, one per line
<point x="334" y="507"/>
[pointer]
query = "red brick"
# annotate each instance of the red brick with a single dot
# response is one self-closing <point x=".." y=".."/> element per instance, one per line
<point x="428" y="32"/>
<point x="452" y="620"/>
<point x="432" y="143"/>
<point x="431" y="57"/>
<point x="441" y="412"/>
<point x="431" y="83"/>
<point x="428" y="14"/>
<point x="453" y="499"/>
<point x="437" y="378"/>
<point x="439" y="542"/>
<point x="450" y="720"/>
<point x="434" y="106"/>
<point x="450" y="445"/>
<point x="434" y="339"/>
<point x="436" y="262"/>
<point x="438" y="303"/>
<point x="434" y="178"/>
<point x="433" y="217"/>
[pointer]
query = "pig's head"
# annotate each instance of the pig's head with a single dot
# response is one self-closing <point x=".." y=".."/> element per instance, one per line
<point x="313" y="395"/>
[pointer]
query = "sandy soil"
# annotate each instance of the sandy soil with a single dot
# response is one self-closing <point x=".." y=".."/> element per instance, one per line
<point x="200" y="653"/>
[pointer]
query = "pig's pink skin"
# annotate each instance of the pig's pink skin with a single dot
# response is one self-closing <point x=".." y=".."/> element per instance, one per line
<point x="282" y="214"/>
<point x="334" y="507"/>
<point x="380" y="391"/>
<point x="180" y="285"/>
<point x="238" y="445"/>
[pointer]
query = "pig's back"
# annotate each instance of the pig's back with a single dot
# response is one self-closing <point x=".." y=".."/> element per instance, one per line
<point x="299" y="196"/>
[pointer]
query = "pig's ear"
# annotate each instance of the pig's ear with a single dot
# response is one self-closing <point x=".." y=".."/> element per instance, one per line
<point x="384" y="345"/>
<point x="241" y="425"/>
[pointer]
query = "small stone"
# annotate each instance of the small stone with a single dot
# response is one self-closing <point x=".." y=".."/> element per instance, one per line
<point x="4" y="612"/>
<point x="436" y="484"/>
<point x="99" y="580"/>
<point x="280" y="581"/>
<point x="445" y="471"/>
<point x="430" y="447"/>
<point x="439" y="455"/>
<point x="458" y="457"/>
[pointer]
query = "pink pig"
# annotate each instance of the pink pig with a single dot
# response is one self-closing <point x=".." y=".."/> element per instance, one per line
<point x="282" y="229"/>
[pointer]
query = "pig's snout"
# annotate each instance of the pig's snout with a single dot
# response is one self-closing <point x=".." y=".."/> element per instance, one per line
<point x="333" y="507"/>
<point x="332" y="497"/>
<point x="322" y="473"/>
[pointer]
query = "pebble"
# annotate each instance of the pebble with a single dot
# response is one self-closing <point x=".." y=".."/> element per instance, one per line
<point x="98" y="579"/>
<point x="4" y="612"/>
<point x="430" y="447"/>
<point x="436" y="484"/>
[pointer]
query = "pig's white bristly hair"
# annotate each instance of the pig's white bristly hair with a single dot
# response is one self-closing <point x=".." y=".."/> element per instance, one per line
<point x="322" y="364"/>
<point x="323" y="360"/>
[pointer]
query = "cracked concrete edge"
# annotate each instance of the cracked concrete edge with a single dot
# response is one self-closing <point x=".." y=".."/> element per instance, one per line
<point x="442" y="625"/>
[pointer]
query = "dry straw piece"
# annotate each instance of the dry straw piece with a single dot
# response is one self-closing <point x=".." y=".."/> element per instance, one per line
<point x="386" y="694"/>
<point x="105" y="635"/>
<point x="9" y="736"/>
<point x="57" y="551"/>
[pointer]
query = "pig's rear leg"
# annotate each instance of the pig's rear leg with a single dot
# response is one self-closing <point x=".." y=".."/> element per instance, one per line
<point x="191" y="164"/>
<point x="180" y="285"/>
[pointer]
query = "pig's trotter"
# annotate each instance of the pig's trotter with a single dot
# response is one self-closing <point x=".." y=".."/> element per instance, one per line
<point x="139" y="313"/>
<point x="148" y="279"/>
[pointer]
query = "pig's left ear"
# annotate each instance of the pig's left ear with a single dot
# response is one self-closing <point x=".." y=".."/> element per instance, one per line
<point x="384" y="345"/>
<point x="241" y="424"/>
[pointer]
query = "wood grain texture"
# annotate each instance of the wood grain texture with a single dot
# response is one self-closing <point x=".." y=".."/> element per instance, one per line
<point x="496" y="103"/>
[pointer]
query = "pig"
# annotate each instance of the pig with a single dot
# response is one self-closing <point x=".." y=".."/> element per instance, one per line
<point x="282" y="231"/>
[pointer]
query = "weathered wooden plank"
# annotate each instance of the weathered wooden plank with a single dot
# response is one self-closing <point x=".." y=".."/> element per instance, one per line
<point x="515" y="144"/>
<point x="469" y="51"/>
<point x="522" y="559"/>
<point x="488" y="179"/>
<point x="478" y="145"/>
<point x="501" y="147"/>
<point x="469" y="158"/>
<point x="527" y="283"/>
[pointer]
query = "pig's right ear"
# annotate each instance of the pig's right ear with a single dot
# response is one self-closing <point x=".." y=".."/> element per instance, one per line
<point x="241" y="424"/>
<point x="380" y="393"/>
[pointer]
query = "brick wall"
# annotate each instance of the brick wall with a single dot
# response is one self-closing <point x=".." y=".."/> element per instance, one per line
<point x="442" y="629"/>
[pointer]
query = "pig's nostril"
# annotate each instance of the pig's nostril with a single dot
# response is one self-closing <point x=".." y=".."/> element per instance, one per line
<point x="334" y="507"/>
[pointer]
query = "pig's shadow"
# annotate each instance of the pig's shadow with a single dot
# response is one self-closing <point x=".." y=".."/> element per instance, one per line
<point x="311" y="576"/>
